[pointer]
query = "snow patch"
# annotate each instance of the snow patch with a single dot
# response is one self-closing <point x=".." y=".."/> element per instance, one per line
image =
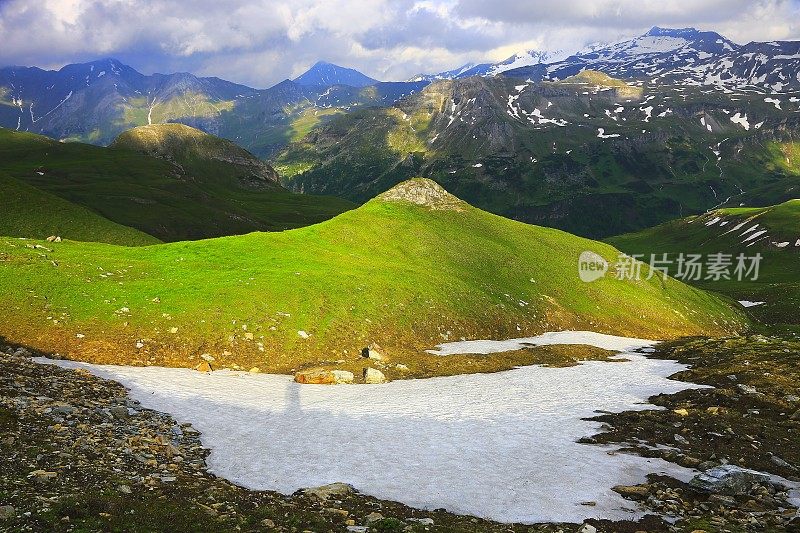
<point x="500" y="446"/>
<point x="601" y="132"/>
<point x="741" y="120"/>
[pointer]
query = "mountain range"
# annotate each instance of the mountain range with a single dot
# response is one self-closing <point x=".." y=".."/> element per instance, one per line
<point x="96" y="101"/>
<point x="667" y="124"/>
<point x="590" y="154"/>
<point x="686" y="56"/>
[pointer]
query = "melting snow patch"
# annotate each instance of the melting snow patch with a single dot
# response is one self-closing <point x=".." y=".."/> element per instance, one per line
<point x="500" y="446"/>
<point x="773" y="101"/>
<point x="755" y="235"/>
<point x="589" y="338"/>
<point x="741" y="120"/>
<point x="748" y="303"/>
<point x="748" y="230"/>
<point x="602" y="134"/>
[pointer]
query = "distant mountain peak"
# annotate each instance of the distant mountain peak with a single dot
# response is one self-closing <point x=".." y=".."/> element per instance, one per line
<point x="658" y="31"/>
<point x="323" y="74"/>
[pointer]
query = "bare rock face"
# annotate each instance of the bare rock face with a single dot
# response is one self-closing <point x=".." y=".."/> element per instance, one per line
<point x="423" y="192"/>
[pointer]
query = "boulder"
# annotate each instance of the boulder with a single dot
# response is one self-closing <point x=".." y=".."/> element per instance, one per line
<point x="7" y="512"/>
<point x="373" y="351"/>
<point x="42" y="475"/>
<point x="729" y="480"/>
<point x="22" y="352"/>
<point x="120" y="412"/>
<point x="334" y="490"/>
<point x="323" y="376"/>
<point x="639" y="492"/>
<point x="204" y="366"/>
<point x="342" y="376"/>
<point x="373" y="376"/>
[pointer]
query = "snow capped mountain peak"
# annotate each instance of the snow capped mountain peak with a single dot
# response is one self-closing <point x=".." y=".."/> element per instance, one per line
<point x="527" y="58"/>
<point x="662" y="42"/>
<point x="657" y="31"/>
<point x="518" y="60"/>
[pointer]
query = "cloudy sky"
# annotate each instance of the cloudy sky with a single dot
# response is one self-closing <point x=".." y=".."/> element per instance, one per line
<point x="260" y="42"/>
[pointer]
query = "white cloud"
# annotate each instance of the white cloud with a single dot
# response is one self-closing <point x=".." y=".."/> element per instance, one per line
<point x="260" y="42"/>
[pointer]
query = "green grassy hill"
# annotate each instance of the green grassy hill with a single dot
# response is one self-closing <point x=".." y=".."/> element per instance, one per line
<point x="29" y="212"/>
<point x="200" y="154"/>
<point x="773" y="232"/>
<point x="175" y="196"/>
<point x="408" y="270"/>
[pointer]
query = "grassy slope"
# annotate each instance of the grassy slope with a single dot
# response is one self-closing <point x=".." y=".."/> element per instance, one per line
<point x="779" y="279"/>
<point x="199" y="154"/>
<point x="404" y="276"/>
<point x="30" y="212"/>
<point x="154" y="195"/>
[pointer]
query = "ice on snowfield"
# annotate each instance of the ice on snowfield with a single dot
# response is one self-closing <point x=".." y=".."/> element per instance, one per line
<point x="501" y="446"/>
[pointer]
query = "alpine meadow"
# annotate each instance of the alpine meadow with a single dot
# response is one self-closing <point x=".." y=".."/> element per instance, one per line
<point x="442" y="266"/>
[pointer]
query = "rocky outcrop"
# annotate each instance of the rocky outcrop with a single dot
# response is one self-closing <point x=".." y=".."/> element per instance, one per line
<point x="423" y="192"/>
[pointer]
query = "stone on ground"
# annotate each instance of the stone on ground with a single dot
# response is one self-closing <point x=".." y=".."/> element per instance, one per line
<point x="333" y="490"/>
<point x="373" y="376"/>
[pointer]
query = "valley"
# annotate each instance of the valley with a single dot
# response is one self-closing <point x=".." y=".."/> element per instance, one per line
<point x="591" y="154"/>
<point x="201" y="187"/>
